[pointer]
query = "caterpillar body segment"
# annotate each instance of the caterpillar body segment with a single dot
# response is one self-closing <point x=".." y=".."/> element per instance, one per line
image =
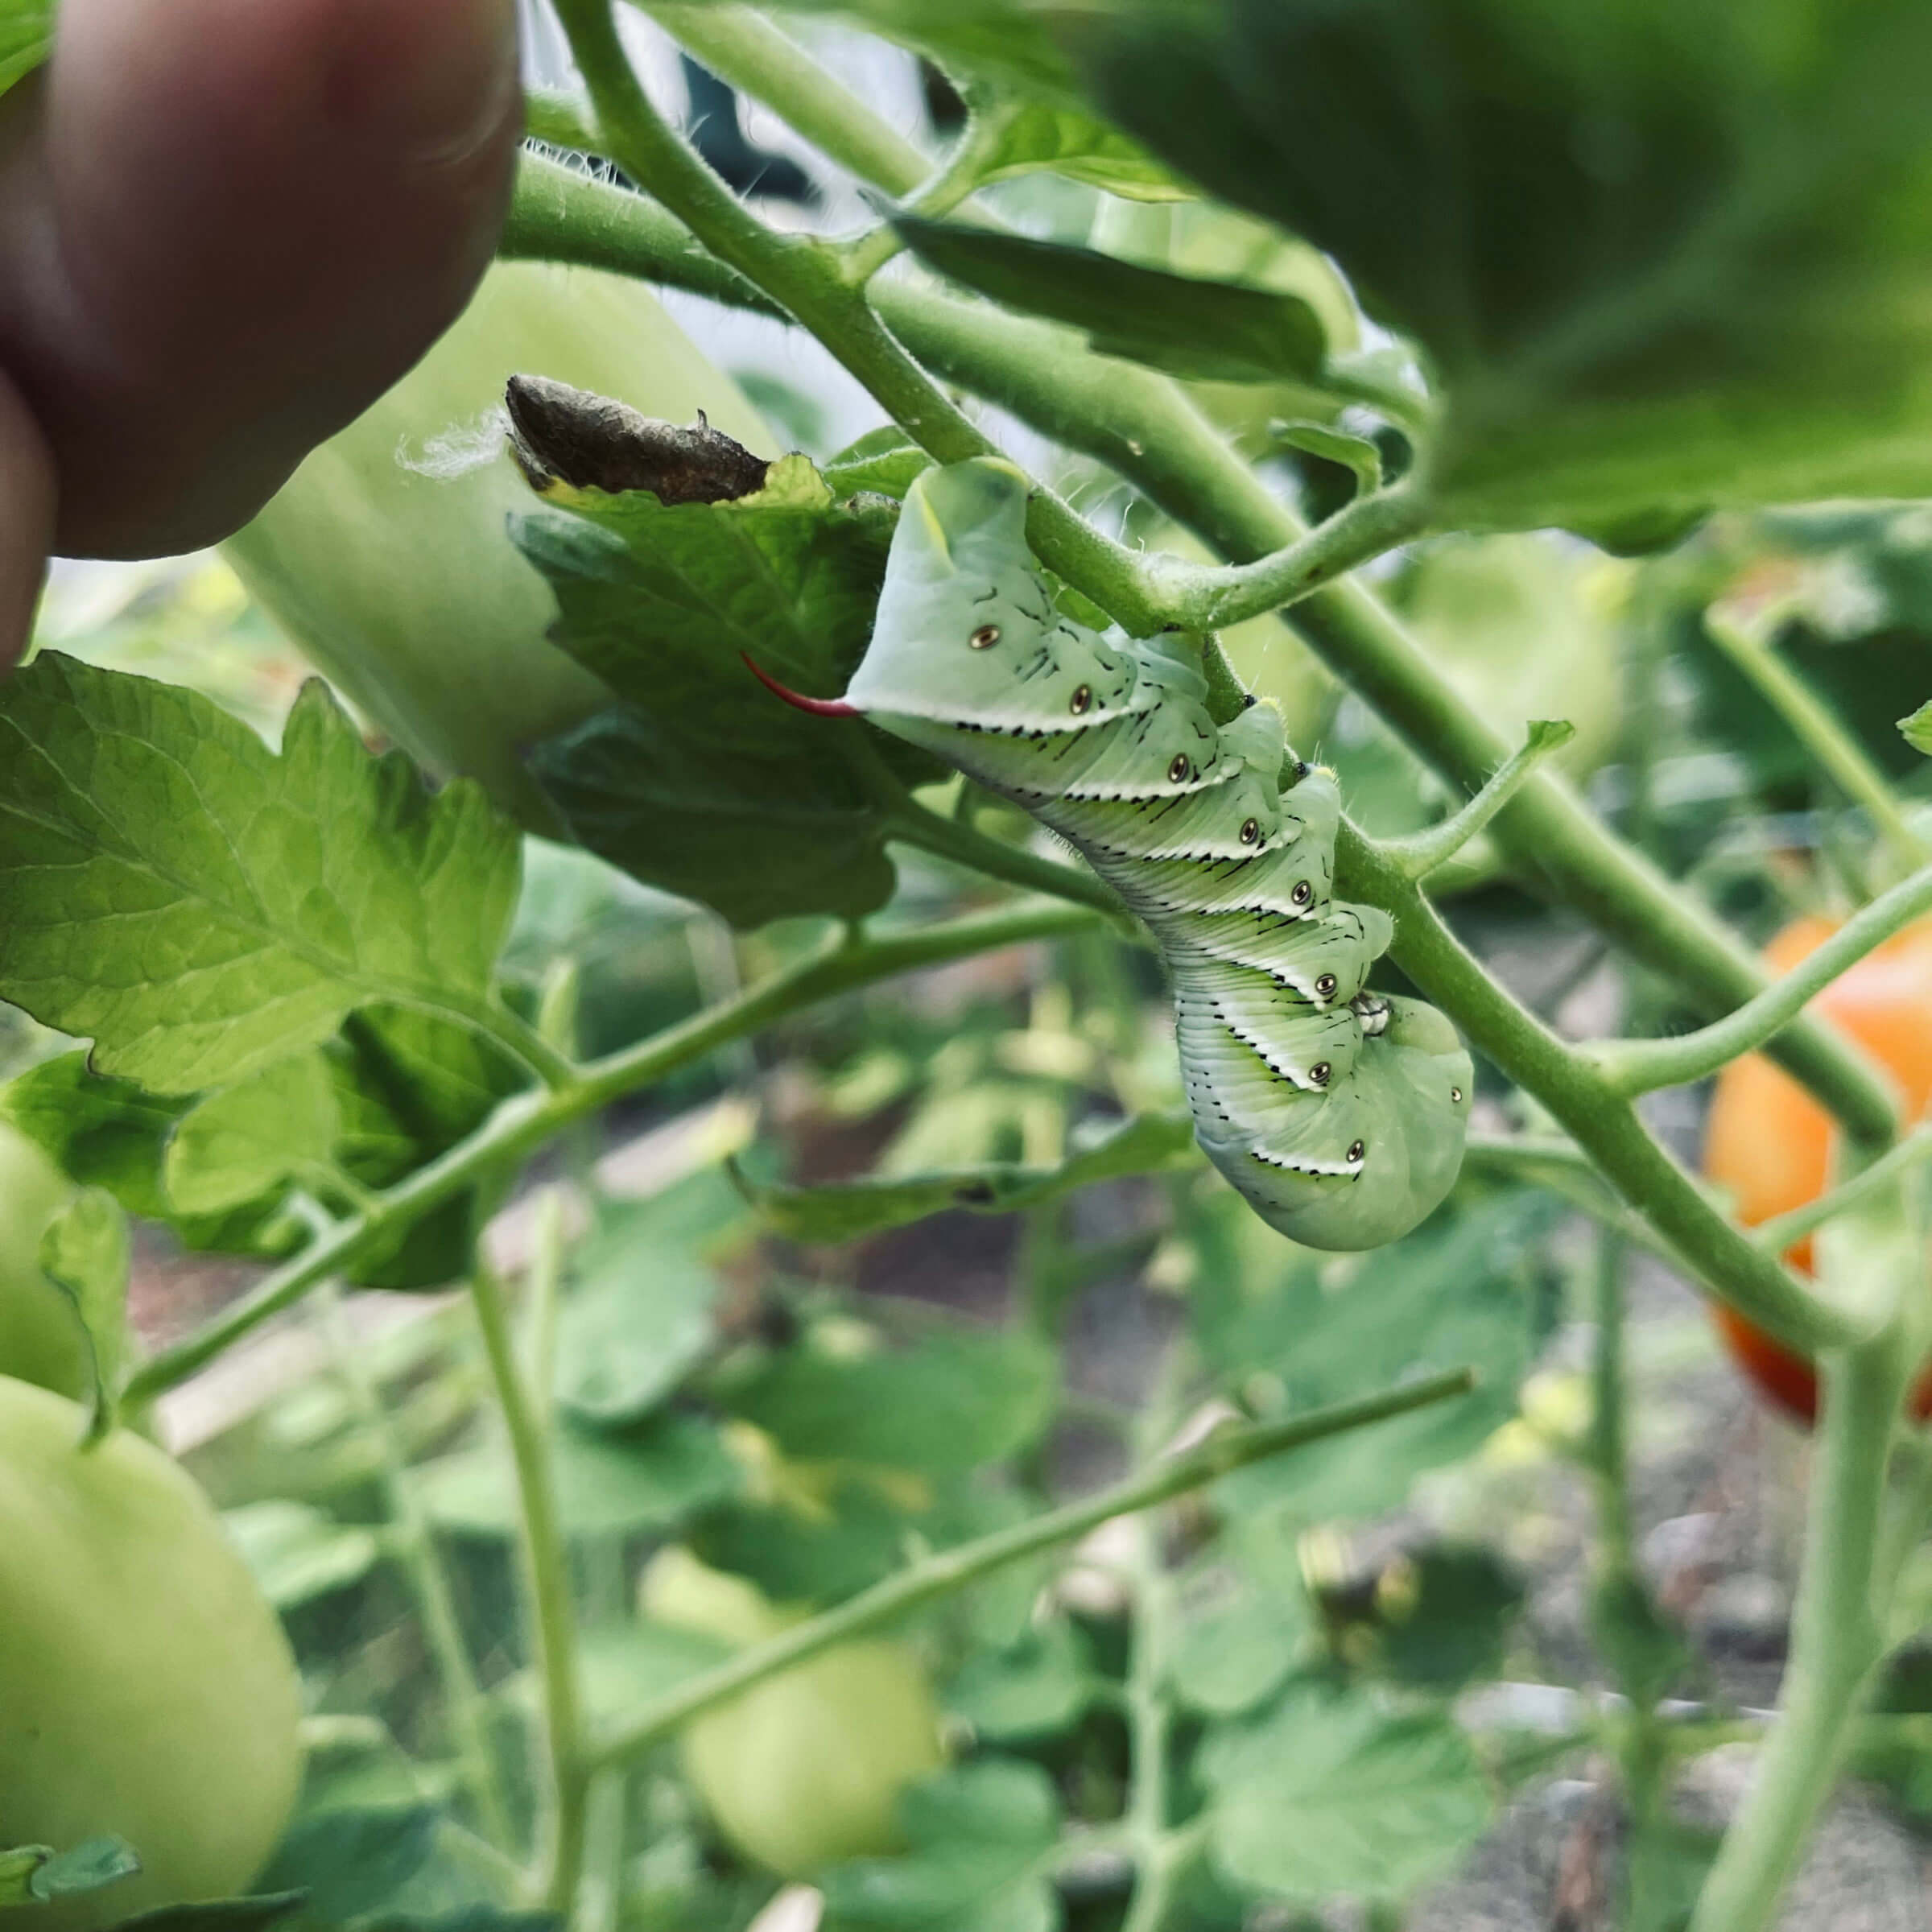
<point x="1340" y="1114"/>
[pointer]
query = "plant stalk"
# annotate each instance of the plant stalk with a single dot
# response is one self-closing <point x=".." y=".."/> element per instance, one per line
<point x="1636" y="1067"/>
<point x="412" y="1539"/>
<point x="523" y="1124"/>
<point x="546" y="1572"/>
<point x="948" y="1570"/>
<point x="1836" y="1645"/>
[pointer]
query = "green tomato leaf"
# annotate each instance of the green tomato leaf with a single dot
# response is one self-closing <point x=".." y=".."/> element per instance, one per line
<point x="1663" y="257"/>
<point x="883" y="462"/>
<point x="408" y="1086"/>
<point x="645" y="1479"/>
<point x="952" y="1402"/>
<point x="350" y="1863"/>
<point x="980" y="1837"/>
<point x="37" y="1875"/>
<point x="847" y="1211"/>
<point x="1001" y="38"/>
<point x="1238" y="1652"/>
<point x="244" y="1140"/>
<point x="201" y="906"/>
<point x="1646" y="1650"/>
<point x="704" y="783"/>
<point x="298" y="1554"/>
<point x="856" y="1534"/>
<point x="1040" y="136"/>
<point x="1042" y="1686"/>
<point x="1326" y="1794"/>
<point x="1467" y="1290"/>
<point x="86" y="1252"/>
<point x="26" y="37"/>
<point x="403" y="1085"/>
<point x="1224" y="332"/>
<point x="627" y="1666"/>
<point x="638" y="1319"/>
<point x="99" y="1131"/>
<point x="1356" y="453"/>
<point x="1917" y="729"/>
<point x="252" y="1914"/>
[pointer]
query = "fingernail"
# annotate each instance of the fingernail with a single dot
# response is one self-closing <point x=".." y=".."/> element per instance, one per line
<point x="434" y="77"/>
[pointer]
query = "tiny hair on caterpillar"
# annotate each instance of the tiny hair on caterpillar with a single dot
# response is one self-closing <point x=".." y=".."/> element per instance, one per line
<point x="1338" y="1113"/>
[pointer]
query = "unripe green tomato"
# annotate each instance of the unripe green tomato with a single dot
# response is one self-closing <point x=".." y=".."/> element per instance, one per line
<point x="147" y="1690"/>
<point x="808" y="1767"/>
<point x="399" y="582"/>
<point x="41" y="1338"/>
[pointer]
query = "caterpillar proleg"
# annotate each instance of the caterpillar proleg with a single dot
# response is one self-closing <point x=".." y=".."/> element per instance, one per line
<point x="1340" y="1114"/>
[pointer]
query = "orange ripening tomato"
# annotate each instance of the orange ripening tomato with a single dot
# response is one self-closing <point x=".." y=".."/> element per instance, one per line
<point x="1769" y="1143"/>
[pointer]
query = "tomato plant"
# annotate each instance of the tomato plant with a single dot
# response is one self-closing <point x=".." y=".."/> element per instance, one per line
<point x="1249" y="451"/>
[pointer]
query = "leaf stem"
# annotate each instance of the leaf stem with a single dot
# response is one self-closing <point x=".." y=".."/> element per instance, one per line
<point x="952" y="182"/>
<point x="949" y="1570"/>
<point x="1599" y="1120"/>
<point x="525" y="1044"/>
<point x="412" y="1541"/>
<point x="1746" y="643"/>
<point x="1782" y="1230"/>
<point x="759" y="59"/>
<point x="524" y="1123"/>
<point x="1426" y="851"/>
<point x="912" y="825"/>
<point x="1635" y="1066"/>
<point x="1566" y="1170"/>
<point x="1150" y="1708"/>
<point x="546" y="1571"/>
<point x="1199" y="596"/>
<point x="803" y="275"/>
<point x="1837" y="1641"/>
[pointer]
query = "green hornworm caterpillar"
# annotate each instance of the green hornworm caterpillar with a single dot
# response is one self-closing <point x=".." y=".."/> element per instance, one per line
<point x="1338" y="1113"/>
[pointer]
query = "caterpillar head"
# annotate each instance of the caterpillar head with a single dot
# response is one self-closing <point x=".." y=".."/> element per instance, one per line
<point x="966" y="633"/>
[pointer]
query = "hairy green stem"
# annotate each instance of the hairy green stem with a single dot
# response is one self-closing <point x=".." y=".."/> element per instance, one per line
<point x="761" y="60"/>
<point x="1837" y="1641"/>
<point x="1140" y="425"/>
<point x="1599" y="1119"/>
<point x="520" y="1125"/>
<point x="948" y="1570"/>
<point x="962" y="172"/>
<point x="559" y="119"/>
<point x="546" y="1578"/>
<point x="966" y="845"/>
<point x="1567" y="1172"/>
<point x="1199" y="596"/>
<point x="1634" y="1067"/>
<point x="1823" y="734"/>
<point x="1619" y="1589"/>
<point x="412" y="1541"/>
<point x="803" y="275"/>
<point x="1149" y="1705"/>
<point x="1424" y="851"/>
<point x="1777" y="1234"/>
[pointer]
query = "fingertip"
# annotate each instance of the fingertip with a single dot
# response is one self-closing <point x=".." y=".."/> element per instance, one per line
<point x="27" y="521"/>
<point x="255" y="217"/>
